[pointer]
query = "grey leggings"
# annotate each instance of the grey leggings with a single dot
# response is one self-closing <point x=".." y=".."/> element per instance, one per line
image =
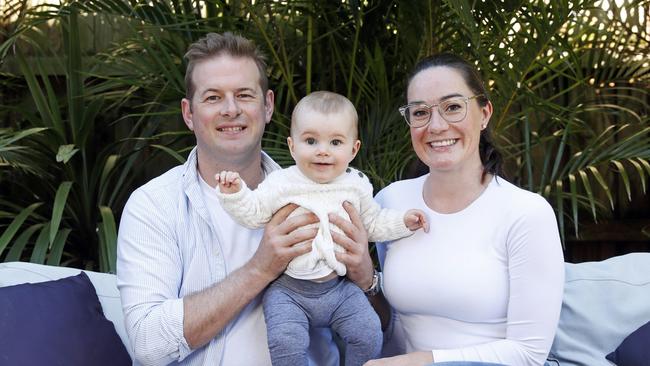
<point x="291" y="306"/>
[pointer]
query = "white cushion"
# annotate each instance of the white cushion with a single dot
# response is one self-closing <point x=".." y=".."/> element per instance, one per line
<point x="603" y="303"/>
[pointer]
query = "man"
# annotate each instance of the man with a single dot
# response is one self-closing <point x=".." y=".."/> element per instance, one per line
<point x="190" y="278"/>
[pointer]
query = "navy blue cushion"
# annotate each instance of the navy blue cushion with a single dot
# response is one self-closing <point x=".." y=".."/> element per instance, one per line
<point x="634" y="350"/>
<point x="57" y="323"/>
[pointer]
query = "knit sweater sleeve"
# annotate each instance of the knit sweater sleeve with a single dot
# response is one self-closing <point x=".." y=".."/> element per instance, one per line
<point x="252" y="209"/>
<point x="382" y="224"/>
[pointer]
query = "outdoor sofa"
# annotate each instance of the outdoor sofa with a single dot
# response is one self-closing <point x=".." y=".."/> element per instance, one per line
<point x="606" y="305"/>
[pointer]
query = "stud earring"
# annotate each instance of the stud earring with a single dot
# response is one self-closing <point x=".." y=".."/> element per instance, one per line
<point x="483" y="126"/>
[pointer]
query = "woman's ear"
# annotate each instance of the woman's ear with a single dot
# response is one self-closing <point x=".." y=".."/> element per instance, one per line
<point x="486" y="113"/>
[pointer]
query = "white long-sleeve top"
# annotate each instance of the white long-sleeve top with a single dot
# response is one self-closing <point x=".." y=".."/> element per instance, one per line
<point x="253" y="209"/>
<point x="484" y="284"/>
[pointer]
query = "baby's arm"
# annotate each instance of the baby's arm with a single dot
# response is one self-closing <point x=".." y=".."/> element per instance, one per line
<point x="228" y="182"/>
<point x="252" y="209"/>
<point x="416" y="219"/>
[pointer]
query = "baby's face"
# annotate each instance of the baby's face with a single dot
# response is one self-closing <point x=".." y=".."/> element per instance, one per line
<point x="323" y="144"/>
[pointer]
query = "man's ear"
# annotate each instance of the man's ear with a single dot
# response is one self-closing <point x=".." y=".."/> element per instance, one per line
<point x="269" y="105"/>
<point x="186" y="109"/>
<point x="355" y="149"/>
<point x="290" y="143"/>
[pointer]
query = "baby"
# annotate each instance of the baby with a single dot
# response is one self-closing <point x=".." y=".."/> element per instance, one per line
<point x="313" y="291"/>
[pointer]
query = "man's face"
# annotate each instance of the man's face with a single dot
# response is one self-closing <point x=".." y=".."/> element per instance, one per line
<point x="228" y="111"/>
<point x="323" y="144"/>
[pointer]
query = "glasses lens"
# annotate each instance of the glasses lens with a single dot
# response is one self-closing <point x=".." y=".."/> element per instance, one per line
<point x="418" y="115"/>
<point x="453" y="110"/>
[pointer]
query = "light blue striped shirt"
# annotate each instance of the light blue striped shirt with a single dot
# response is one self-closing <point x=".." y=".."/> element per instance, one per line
<point x="167" y="249"/>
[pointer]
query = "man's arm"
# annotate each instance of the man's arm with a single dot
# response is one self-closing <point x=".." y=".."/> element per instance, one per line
<point x="149" y="269"/>
<point x="355" y="242"/>
<point x="209" y="311"/>
<point x="357" y="257"/>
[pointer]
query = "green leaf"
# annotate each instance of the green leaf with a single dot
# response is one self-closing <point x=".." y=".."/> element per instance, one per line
<point x="603" y="185"/>
<point x="41" y="246"/>
<point x="57" y="211"/>
<point x="624" y="177"/>
<point x="65" y="153"/>
<point x="54" y="258"/>
<point x="171" y="153"/>
<point x="16" y="251"/>
<point x="590" y="194"/>
<point x="574" y="201"/>
<point x="10" y="231"/>
<point x="108" y="240"/>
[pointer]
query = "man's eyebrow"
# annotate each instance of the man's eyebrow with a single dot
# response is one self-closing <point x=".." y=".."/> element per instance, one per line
<point x="217" y="90"/>
<point x="250" y="90"/>
<point x="211" y="90"/>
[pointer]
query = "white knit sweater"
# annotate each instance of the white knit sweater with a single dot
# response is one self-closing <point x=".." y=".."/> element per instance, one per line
<point x="254" y="209"/>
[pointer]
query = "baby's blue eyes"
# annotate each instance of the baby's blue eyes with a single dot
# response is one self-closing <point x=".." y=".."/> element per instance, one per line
<point x="312" y="141"/>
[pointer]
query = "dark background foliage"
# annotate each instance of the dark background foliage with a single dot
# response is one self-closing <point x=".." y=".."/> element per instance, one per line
<point x="90" y="90"/>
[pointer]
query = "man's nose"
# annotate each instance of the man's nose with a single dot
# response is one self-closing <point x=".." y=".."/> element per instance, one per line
<point x="230" y="107"/>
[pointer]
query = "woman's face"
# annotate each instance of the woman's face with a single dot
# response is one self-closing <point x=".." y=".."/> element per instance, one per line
<point x="441" y="145"/>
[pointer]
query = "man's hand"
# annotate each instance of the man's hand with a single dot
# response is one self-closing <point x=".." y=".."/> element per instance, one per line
<point x="228" y="182"/>
<point x="207" y="312"/>
<point x="355" y="242"/>
<point x="278" y="246"/>
<point x="416" y="219"/>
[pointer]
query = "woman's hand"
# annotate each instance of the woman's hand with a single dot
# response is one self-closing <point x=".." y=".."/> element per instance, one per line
<point x="355" y="242"/>
<point x="410" y="359"/>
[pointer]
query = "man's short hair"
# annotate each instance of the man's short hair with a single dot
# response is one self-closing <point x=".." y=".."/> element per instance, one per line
<point x="215" y="44"/>
<point x="326" y="102"/>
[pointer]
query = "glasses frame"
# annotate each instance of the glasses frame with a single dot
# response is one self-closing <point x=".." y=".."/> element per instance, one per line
<point x="402" y="109"/>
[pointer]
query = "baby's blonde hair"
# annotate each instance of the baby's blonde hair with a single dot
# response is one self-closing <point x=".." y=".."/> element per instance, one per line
<point x="326" y="102"/>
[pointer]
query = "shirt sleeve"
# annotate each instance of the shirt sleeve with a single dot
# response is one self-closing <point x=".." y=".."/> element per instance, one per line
<point x="252" y="209"/>
<point x="536" y="280"/>
<point x="149" y="277"/>
<point x="382" y="224"/>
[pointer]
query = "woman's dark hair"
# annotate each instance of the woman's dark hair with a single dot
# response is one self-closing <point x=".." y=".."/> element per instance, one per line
<point x="490" y="156"/>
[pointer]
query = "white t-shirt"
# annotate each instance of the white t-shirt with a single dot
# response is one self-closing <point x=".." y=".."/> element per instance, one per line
<point x="248" y="328"/>
<point x="484" y="284"/>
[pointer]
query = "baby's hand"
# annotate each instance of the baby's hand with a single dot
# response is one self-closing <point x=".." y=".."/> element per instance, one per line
<point x="416" y="219"/>
<point x="228" y="182"/>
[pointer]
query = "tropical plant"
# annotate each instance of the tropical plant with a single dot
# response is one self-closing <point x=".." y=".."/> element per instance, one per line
<point x="568" y="80"/>
<point x="78" y="165"/>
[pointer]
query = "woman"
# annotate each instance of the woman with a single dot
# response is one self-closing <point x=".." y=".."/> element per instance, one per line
<point x="485" y="283"/>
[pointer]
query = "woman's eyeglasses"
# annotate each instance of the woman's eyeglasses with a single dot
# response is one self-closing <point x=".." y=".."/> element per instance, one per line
<point x="451" y="110"/>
